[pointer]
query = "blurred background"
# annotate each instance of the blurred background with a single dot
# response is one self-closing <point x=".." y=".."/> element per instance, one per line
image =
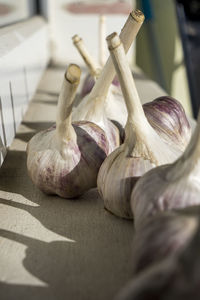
<point x="166" y="50"/>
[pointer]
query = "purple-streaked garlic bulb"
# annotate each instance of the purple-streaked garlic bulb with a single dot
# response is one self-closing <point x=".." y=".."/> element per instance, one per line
<point x="160" y="237"/>
<point x="66" y="158"/>
<point x="99" y="105"/>
<point x="176" y="277"/>
<point x="170" y="186"/>
<point x="143" y="148"/>
<point x="167" y="116"/>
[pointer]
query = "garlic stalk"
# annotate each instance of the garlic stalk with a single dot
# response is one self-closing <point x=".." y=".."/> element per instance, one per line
<point x="142" y="150"/>
<point x="171" y="186"/>
<point x="65" y="158"/>
<point x="93" y="67"/>
<point x="177" y="277"/>
<point x="165" y="114"/>
<point x="102" y="36"/>
<point x="93" y="107"/>
<point x="161" y="237"/>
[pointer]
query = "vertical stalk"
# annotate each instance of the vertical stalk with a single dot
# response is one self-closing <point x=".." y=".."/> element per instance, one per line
<point x="93" y="67"/>
<point x="102" y="40"/>
<point x="127" y="35"/>
<point x="65" y="101"/>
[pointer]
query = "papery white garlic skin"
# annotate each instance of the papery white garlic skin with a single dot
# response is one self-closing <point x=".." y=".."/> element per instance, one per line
<point x="70" y="170"/>
<point x="156" y="192"/>
<point x="160" y="237"/>
<point x="96" y="114"/>
<point x="117" y="176"/>
<point x="65" y="158"/>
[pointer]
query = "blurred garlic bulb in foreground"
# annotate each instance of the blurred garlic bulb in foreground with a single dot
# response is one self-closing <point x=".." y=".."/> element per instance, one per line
<point x="143" y="148"/>
<point x="160" y="237"/>
<point x="65" y="158"/>
<point x="175" y="278"/>
<point x="171" y="186"/>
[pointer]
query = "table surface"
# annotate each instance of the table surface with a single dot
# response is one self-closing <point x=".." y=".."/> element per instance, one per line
<point x="53" y="248"/>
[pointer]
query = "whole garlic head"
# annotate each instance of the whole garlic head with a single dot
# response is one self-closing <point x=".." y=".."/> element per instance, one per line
<point x="142" y="150"/>
<point x="168" y="187"/>
<point x="65" y="158"/>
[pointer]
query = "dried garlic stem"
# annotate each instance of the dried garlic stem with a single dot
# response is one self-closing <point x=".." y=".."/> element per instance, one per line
<point x="93" y="67"/>
<point x="137" y="123"/>
<point x="70" y="84"/>
<point x="102" y="38"/>
<point x="127" y="35"/>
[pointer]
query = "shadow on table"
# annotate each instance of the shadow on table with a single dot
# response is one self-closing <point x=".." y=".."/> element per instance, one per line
<point x="95" y="266"/>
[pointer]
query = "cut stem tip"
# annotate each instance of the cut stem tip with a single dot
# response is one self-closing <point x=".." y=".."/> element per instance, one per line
<point x="76" y="39"/>
<point x="113" y="41"/>
<point x="73" y="73"/>
<point x="138" y="15"/>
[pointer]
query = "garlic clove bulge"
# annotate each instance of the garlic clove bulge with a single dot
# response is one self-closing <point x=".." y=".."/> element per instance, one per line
<point x="172" y="186"/>
<point x="167" y="116"/>
<point x="65" y="158"/>
<point x="142" y="150"/>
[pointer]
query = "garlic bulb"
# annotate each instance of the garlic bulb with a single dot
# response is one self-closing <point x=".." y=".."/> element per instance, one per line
<point x="142" y="150"/>
<point x="175" y="278"/>
<point x="65" y="159"/>
<point x="100" y="103"/>
<point x="167" y="116"/>
<point x="160" y="237"/>
<point x="171" y="186"/>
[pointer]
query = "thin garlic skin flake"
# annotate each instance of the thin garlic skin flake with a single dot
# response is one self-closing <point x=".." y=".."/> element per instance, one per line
<point x="172" y="186"/>
<point x="65" y="159"/>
